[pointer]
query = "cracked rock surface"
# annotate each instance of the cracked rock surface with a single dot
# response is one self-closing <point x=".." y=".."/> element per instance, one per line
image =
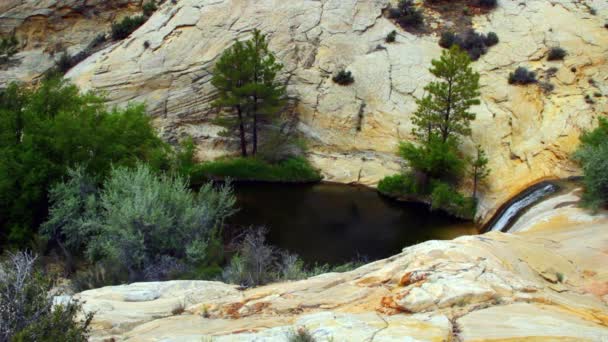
<point x="353" y="130"/>
<point x="547" y="282"/>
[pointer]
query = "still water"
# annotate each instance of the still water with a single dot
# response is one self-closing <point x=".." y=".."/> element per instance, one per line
<point x="334" y="223"/>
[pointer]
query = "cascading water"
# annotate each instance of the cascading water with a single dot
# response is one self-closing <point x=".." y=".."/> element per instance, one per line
<point x="507" y="216"/>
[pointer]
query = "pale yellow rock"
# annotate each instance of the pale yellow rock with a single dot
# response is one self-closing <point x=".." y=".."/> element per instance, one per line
<point x="528" y="135"/>
<point x="541" y="283"/>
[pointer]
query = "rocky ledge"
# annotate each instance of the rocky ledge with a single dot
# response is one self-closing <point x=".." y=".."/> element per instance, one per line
<point x="546" y="282"/>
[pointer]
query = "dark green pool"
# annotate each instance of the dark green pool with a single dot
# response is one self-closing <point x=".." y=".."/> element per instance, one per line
<point x="336" y="223"/>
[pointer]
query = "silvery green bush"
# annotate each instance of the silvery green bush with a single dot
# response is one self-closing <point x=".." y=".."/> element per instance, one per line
<point x="137" y="218"/>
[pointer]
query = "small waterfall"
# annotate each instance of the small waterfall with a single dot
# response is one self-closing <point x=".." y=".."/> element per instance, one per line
<point x="511" y="210"/>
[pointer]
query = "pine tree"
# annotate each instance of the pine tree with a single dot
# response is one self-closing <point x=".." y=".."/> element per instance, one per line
<point x="229" y="77"/>
<point x="245" y="77"/>
<point x="444" y="110"/>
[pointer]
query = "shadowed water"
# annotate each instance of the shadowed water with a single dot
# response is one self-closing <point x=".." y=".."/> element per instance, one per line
<point x="337" y="223"/>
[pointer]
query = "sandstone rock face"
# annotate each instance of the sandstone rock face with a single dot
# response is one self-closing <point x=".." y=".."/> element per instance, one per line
<point x="548" y="282"/>
<point x="46" y="28"/>
<point x="354" y="130"/>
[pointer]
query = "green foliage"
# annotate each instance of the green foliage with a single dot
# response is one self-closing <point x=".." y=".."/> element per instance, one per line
<point x="46" y="131"/>
<point x="592" y="154"/>
<point x="343" y="77"/>
<point x="436" y="159"/>
<point x="27" y="312"/>
<point x="149" y="8"/>
<point x="300" y="334"/>
<point x="146" y="223"/>
<point x="475" y="44"/>
<point x="245" y="79"/>
<point x="479" y="168"/>
<point x="522" y="76"/>
<point x="183" y="160"/>
<point x="8" y="47"/>
<point x="98" y="275"/>
<point x="124" y="28"/>
<point x="390" y="38"/>
<point x="294" y="169"/>
<point x="445" y="197"/>
<point x="442" y="118"/>
<point x="407" y="14"/>
<point x="444" y="111"/>
<point x="556" y="54"/>
<point x="487" y="3"/>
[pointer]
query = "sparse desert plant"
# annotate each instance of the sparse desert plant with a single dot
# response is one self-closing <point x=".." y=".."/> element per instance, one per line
<point x="300" y="334"/>
<point x="390" y="38"/>
<point x="149" y="8"/>
<point x="8" y="47"/>
<point x="124" y="28"/>
<point x="344" y="78"/>
<point x="491" y="39"/>
<point x="556" y="54"/>
<point x="178" y="309"/>
<point x="487" y="3"/>
<point x="522" y="76"/>
<point x="407" y="15"/>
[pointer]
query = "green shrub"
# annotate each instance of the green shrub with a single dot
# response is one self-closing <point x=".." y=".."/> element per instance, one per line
<point x="491" y="39"/>
<point x="436" y="159"/>
<point x="149" y="224"/>
<point x="556" y="54"/>
<point x="294" y="169"/>
<point x="46" y="131"/>
<point x="124" y="28"/>
<point x="8" y="47"/>
<point x="407" y="14"/>
<point x="448" y="199"/>
<point x="27" y="312"/>
<point x="300" y="334"/>
<point x="343" y="77"/>
<point x="149" y="8"/>
<point x="390" y="38"/>
<point x="487" y="3"/>
<point x="522" y="76"/>
<point x="592" y="154"/>
<point x="474" y="43"/>
<point x="397" y="185"/>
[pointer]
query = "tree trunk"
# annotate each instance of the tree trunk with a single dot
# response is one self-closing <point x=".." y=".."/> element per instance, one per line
<point x="475" y="182"/>
<point x="242" y="132"/>
<point x="255" y="134"/>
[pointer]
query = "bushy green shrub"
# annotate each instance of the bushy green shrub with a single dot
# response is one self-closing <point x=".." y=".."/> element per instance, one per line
<point x="448" y="199"/>
<point x="397" y="185"/>
<point x="436" y="159"/>
<point x="149" y="8"/>
<point x="487" y="3"/>
<point x="300" y="334"/>
<point x="522" y="76"/>
<point x="8" y="47"/>
<point x="124" y="28"/>
<point x="294" y="169"/>
<point x="491" y="39"/>
<point x="343" y="77"/>
<point x="27" y="312"/>
<point x="407" y="14"/>
<point x="46" y="131"/>
<point x="146" y="223"/>
<point x="592" y="154"/>
<point x="474" y="43"/>
<point x="390" y="38"/>
<point x="556" y="54"/>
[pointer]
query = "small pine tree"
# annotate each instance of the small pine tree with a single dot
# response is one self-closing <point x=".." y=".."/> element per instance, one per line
<point x="445" y="109"/>
<point x="480" y="168"/>
<point x="8" y="47"/>
<point x="245" y="77"/>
